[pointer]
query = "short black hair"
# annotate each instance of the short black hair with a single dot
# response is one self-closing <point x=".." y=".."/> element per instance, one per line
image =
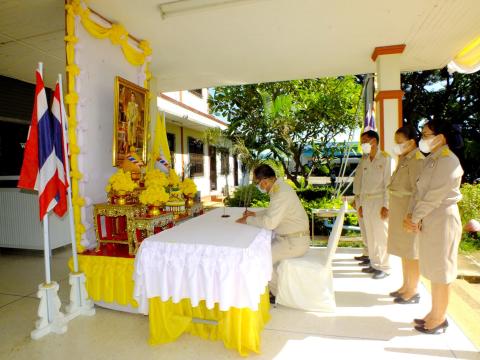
<point x="409" y="132"/>
<point x="372" y="135"/>
<point x="264" y="171"/>
<point x="452" y="132"/>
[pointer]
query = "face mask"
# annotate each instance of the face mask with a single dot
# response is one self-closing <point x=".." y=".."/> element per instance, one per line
<point x="425" y="146"/>
<point x="260" y="189"/>
<point x="399" y="149"/>
<point x="366" y="148"/>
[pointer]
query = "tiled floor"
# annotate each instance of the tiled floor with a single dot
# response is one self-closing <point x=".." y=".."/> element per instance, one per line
<point x="366" y="324"/>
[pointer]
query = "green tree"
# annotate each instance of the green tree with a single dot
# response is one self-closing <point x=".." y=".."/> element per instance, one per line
<point x="452" y="97"/>
<point x="283" y="118"/>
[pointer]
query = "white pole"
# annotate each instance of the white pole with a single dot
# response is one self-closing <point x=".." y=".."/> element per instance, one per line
<point x="46" y="240"/>
<point x="67" y="176"/>
<point x="46" y="249"/>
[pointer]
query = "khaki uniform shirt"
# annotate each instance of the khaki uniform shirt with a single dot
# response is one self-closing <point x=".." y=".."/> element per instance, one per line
<point x="285" y="215"/>
<point x="405" y="176"/>
<point x="372" y="178"/>
<point x="438" y="184"/>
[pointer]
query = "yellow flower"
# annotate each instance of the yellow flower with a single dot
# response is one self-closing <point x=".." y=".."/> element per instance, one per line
<point x="173" y="179"/>
<point x="154" y="195"/>
<point x="121" y="181"/>
<point x="188" y="187"/>
<point x="156" y="177"/>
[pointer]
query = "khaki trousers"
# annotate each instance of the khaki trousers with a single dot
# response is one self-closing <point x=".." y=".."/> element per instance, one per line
<point x="286" y="248"/>
<point x="377" y="234"/>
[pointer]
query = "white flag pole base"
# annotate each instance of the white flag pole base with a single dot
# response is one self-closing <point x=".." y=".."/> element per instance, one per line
<point x="51" y="319"/>
<point x="80" y="304"/>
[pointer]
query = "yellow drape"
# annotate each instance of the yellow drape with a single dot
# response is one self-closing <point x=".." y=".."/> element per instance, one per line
<point x="108" y="279"/>
<point x="160" y="142"/>
<point x="468" y="59"/>
<point x="239" y="329"/>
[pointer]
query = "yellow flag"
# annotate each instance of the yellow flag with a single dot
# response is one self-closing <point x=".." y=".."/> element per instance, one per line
<point x="161" y="152"/>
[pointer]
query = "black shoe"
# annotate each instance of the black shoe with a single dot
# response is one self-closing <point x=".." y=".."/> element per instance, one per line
<point x="379" y="274"/>
<point x="395" y="294"/>
<point x="419" y="321"/>
<point x="272" y="299"/>
<point x="368" y="270"/>
<point x="435" y="331"/>
<point x="364" y="263"/>
<point x="415" y="299"/>
<point x="362" y="258"/>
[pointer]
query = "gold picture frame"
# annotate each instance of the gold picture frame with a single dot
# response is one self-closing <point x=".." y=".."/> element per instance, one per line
<point x="130" y="122"/>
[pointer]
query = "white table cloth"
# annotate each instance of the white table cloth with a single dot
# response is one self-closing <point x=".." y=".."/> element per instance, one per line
<point x="206" y="258"/>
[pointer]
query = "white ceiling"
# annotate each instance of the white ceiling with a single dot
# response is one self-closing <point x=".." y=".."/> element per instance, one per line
<point x="248" y="41"/>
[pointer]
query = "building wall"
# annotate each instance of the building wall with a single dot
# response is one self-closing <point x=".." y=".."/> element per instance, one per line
<point x="202" y="182"/>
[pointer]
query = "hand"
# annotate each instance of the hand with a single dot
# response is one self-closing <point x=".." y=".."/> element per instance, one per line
<point x="409" y="225"/>
<point x="384" y="213"/>
<point x="242" y="220"/>
<point x="247" y="213"/>
<point x="360" y="212"/>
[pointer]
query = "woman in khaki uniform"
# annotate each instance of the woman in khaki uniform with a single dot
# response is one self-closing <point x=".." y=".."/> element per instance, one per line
<point x="402" y="184"/>
<point x="436" y="218"/>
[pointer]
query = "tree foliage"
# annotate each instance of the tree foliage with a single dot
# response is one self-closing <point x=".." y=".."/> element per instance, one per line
<point x="452" y="97"/>
<point x="283" y="118"/>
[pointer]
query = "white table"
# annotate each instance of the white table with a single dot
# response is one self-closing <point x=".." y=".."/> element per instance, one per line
<point x="207" y="258"/>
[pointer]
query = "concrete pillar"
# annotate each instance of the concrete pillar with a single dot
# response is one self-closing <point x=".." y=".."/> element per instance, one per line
<point x="389" y="94"/>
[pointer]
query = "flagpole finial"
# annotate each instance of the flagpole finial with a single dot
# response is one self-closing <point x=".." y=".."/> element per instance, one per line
<point x="40" y="68"/>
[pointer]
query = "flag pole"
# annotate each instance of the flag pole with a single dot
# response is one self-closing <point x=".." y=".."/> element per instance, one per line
<point x="51" y="319"/>
<point x="46" y="239"/>
<point x="67" y="170"/>
<point x="79" y="304"/>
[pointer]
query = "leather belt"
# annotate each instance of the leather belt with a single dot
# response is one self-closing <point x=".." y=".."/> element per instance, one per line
<point x="294" y="235"/>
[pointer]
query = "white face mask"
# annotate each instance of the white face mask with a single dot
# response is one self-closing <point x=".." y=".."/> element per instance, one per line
<point x="261" y="190"/>
<point x="366" y="148"/>
<point x="399" y="149"/>
<point x="425" y="146"/>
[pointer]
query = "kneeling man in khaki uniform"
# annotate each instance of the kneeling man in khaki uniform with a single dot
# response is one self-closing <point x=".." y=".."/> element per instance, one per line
<point x="285" y="216"/>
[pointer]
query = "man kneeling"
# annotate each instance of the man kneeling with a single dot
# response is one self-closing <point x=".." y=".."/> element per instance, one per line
<point x="285" y="216"/>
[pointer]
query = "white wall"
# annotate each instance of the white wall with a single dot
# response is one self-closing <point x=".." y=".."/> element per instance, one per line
<point x="99" y="62"/>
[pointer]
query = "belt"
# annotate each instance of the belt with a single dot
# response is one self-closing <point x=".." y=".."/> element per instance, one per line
<point x="400" y="193"/>
<point x="294" y="235"/>
<point x="373" y="196"/>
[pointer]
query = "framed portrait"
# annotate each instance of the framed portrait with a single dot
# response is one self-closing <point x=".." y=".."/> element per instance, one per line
<point x="130" y="123"/>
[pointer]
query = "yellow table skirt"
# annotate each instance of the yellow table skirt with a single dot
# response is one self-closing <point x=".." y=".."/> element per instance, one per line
<point x="239" y="329"/>
<point x="110" y="279"/>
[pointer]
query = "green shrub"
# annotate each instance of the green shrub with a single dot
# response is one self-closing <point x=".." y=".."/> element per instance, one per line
<point x="470" y="209"/>
<point x="315" y="192"/>
<point x="242" y="193"/>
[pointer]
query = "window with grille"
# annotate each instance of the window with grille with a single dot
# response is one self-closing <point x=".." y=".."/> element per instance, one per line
<point x="171" y="147"/>
<point x="195" y="150"/>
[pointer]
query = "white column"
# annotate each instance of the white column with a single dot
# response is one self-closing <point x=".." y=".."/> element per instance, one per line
<point x="389" y="94"/>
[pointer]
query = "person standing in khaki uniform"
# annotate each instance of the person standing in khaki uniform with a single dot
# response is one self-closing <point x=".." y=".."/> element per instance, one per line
<point x="364" y="258"/>
<point x="285" y="216"/>
<point x="402" y="185"/>
<point x="436" y="218"/>
<point x="375" y="176"/>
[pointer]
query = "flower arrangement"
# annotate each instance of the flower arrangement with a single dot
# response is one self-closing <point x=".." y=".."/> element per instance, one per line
<point x="156" y="177"/>
<point x="121" y="181"/>
<point x="188" y="187"/>
<point x="154" y="195"/>
<point x="173" y="179"/>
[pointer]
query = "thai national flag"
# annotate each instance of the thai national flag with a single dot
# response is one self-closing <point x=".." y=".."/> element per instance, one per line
<point x="42" y="167"/>
<point x="369" y="123"/>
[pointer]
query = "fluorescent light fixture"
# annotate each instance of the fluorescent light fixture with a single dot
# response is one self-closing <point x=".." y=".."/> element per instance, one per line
<point x="175" y="7"/>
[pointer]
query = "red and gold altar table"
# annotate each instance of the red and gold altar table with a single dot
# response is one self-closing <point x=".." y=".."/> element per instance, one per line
<point x="208" y="276"/>
<point x="216" y="272"/>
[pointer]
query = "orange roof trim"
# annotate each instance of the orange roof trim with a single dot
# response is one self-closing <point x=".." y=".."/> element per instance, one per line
<point x="388" y="50"/>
